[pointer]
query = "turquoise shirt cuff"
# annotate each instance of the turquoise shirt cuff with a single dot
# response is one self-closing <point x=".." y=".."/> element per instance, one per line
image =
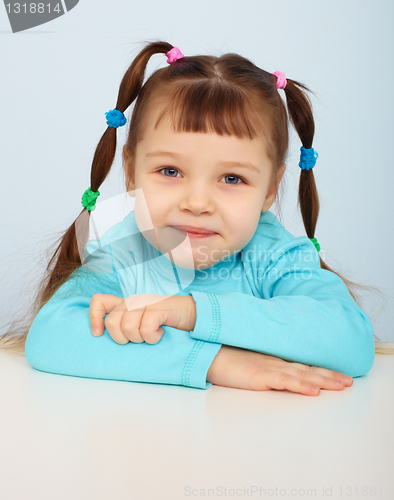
<point x="207" y="325"/>
<point x="197" y="364"/>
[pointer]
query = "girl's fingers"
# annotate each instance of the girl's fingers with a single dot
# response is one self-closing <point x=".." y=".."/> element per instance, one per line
<point x="318" y="380"/>
<point x="333" y="374"/>
<point x="137" y="325"/>
<point x="150" y="327"/>
<point x="113" y="324"/>
<point x="100" y="305"/>
<point x="281" y="381"/>
<point x="130" y="324"/>
<point x="142" y="325"/>
<point x="325" y="372"/>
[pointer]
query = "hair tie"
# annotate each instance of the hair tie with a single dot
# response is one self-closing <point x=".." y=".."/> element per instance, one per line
<point x="173" y="55"/>
<point x="89" y="199"/>
<point x="308" y="158"/>
<point x="280" y="79"/>
<point x="314" y="241"/>
<point x="115" y="118"/>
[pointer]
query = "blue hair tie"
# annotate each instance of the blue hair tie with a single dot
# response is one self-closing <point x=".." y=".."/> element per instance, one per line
<point x="308" y="158"/>
<point x="115" y="118"/>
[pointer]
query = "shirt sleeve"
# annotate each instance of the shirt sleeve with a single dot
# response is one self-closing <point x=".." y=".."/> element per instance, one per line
<point x="60" y="341"/>
<point x="304" y="314"/>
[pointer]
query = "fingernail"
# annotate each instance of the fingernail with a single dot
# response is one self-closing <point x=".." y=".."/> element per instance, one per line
<point x="95" y="331"/>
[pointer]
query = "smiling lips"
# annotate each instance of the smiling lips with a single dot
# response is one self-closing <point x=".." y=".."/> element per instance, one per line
<point x="195" y="231"/>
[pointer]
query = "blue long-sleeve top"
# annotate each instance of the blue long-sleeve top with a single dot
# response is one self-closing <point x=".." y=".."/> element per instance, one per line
<point x="270" y="297"/>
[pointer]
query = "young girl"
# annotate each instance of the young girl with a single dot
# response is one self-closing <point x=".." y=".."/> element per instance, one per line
<point x="203" y="160"/>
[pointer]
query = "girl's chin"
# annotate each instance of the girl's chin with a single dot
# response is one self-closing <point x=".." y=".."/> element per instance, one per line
<point x="187" y="261"/>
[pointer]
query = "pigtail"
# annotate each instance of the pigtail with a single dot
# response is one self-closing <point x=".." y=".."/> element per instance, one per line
<point x="66" y="257"/>
<point x="301" y="116"/>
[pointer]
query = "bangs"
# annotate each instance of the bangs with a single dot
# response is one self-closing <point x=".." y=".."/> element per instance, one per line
<point x="209" y="107"/>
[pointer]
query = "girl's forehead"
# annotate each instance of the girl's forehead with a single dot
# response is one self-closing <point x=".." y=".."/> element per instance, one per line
<point x="163" y="136"/>
<point x="200" y="145"/>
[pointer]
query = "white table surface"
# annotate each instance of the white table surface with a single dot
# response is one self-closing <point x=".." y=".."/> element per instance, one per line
<point x="64" y="437"/>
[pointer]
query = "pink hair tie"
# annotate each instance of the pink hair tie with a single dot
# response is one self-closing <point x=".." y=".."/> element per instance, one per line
<point x="173" y="55"/>
<point x="281" y="79"/>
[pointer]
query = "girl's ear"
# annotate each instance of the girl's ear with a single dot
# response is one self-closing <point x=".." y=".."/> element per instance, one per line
<point x="271" y="195"/>
<point x="126" y="153"/>
<point x="282" y="169"/>
<point x="129" y="174"/>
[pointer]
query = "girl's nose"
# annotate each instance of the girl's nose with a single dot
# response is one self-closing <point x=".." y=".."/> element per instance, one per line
<point x="197" y="200"/>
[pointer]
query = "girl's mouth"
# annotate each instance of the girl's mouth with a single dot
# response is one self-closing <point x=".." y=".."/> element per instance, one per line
<point x="194" y="234"/>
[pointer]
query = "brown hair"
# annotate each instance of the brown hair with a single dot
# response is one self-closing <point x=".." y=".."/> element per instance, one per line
<point x="226" y="95"/>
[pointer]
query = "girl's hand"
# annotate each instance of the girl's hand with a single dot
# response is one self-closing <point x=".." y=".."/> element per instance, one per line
<point x="143" y="322"/>
<point x="243" y="369"/>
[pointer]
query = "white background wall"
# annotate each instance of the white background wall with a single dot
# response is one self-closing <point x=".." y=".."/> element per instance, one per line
<point x="58" y="80"/>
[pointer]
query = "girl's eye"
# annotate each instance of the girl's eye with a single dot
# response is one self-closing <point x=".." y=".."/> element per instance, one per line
<point x="168" y="168"/>
<point x="228" y="175"/>
<point x="236" y="177"/>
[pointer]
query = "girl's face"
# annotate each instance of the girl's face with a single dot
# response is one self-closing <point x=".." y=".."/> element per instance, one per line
<point x="195" y="179"/>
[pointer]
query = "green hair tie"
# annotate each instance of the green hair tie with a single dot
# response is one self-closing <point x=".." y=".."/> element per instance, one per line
<point x="89" y="199"/>
<point x="314" y="241"/>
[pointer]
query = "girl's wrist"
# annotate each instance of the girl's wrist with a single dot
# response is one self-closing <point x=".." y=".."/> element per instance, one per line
<point x="192" y="312"/>
<point x="189" y="312"/>
<point x="183" y="312"/>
